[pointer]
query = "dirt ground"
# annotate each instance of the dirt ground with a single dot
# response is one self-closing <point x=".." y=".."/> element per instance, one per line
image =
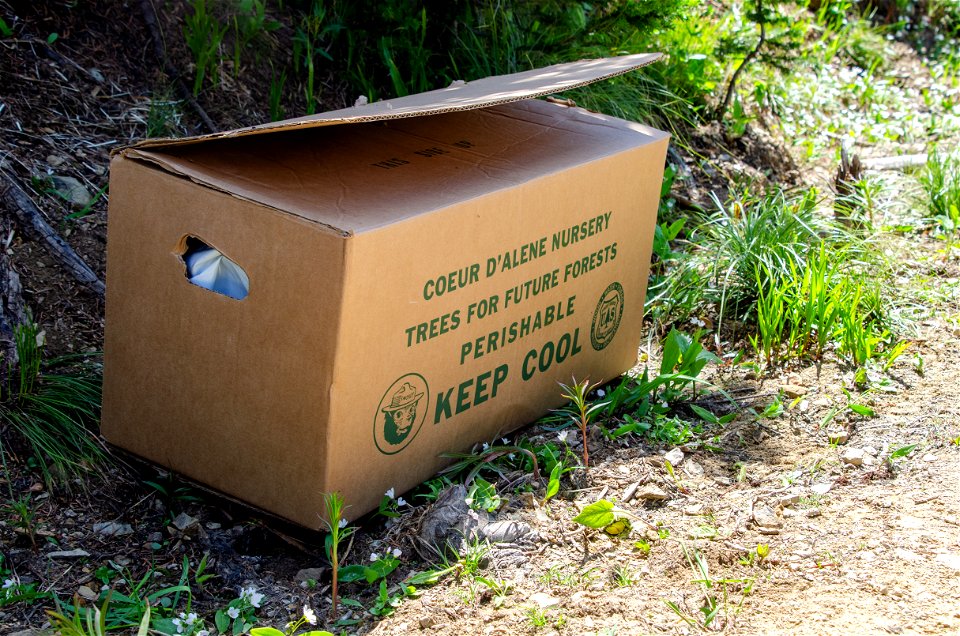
<point x="857" y="545"/>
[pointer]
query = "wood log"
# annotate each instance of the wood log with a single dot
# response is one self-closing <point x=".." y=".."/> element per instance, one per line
<point x="895" y="163"/>
<point x="13" y="313"/>
<point x="36" y="227"/>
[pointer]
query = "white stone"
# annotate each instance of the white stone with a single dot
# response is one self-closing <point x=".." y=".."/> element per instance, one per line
<point x="853" y="456"/>
<point x="675" y="456"/>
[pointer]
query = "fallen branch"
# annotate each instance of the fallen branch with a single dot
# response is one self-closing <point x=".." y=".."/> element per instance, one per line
<point x="36" y="227"/>
<point x="150" y="18"/>
<point x="13" y="313"/>
<point x="895" y="163"/>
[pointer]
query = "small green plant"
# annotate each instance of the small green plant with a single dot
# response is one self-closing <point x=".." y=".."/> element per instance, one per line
<point x="277" y="83"/>
<point x="5" y="30"/>
<point x="338" y="530"/>
<point x="941" y="182"/>
<point x="203" y="34"/>
<point x="163" y="116"/>
<point x="52" y="408"/>
<point x="307" y="48"/>
<point x="716" y="594"/>
<point x="537" y="617"/>
<point x="90" y="622"/>
<point x="499" y="589"/>
<point x="581" y="411"/>
<point x="13" y="591"/>
<point x="21" y="514"/>
<point x="308" y="617"/>
<point x="623" y="576"/>
<point x="482" y="495"/>
<point x="238" y="617"/>
<point x="249" y="24"/>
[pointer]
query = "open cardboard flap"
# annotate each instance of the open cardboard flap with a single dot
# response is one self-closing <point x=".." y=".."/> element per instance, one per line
<point x="489" y="91"/>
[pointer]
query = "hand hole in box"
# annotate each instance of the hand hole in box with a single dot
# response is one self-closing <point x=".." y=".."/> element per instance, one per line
<point x="207" y="267"/>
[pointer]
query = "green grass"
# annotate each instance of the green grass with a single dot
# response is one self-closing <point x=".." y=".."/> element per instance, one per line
<point x="52" y="409"/>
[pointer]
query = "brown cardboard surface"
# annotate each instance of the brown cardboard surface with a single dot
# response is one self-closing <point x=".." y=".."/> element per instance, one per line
<point x="482" y="93"/>
<point x="360" y="354"/>
<point x="420" y="165"/>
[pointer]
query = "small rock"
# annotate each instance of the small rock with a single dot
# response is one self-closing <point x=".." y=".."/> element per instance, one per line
<point x="766" y="518"/>
<point x="789" y="498"/>
<point x="793" y="391"/>
<point x="907" y="555"/>
<point x="813" y="512"/>
<point x="853" y="456"/>
<point x="652" y="492"/>
<point x="185" y="522"/>
<point x="630" y="491"/>
<point x="821" y="488"/>
<point x="113" y="529"/>
<point x="506" y="531"/>
<point x="213" y="525"/>
<point x="544" y="600"/>
<point x="838" y="437"/>
<point x="675" y="456"/>
<point x="952" y="561"/>
<point x="72" y="190"/>
<point x="87" y="593"/>
<point x="68" y="554"/>
<point x="55" y="160"/>
<point x="309" y="574"/>
<point x="692" y="469"/>
<point x="426" y="622"/>
<point x="929" y="458"/>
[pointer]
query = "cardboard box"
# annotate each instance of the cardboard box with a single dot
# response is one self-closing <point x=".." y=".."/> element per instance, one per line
<point x="421" y="274"/>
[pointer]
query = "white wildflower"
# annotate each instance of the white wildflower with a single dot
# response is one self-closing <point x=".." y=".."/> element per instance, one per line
<point x="504" y="440"/>
<point x="486" y="446"/>
<point x="203" y="632"/>
<point x="233" y="612"/>
<point x="390" y="493"/>
<point x="562" y="436"/>
<point x="179" y="624"/>
<point x="343" y="523"/>
<point x="511" y="456"/>
<point x="601" y="393"/>
<point x="309" y="616"/>
<point x="374" y="557"/>
<point x="401" y="501"/>
<point x="191" y="618"/>
<point x="7" y="584"/>
<point x="396" y="553"/>
<point x="665" y="404"/>
<point x="252" y="596"/>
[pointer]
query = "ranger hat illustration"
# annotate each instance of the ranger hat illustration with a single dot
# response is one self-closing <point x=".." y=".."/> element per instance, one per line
<point x="406" y="396"/>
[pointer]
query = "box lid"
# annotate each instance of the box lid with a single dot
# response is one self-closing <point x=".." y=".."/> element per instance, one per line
<point x="340" y="177"/>
<point x="489" y="91"/>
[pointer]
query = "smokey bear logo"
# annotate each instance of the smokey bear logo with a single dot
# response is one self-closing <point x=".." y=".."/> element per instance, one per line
<point x="607" y="315"/>
<point x="401" y="413"/>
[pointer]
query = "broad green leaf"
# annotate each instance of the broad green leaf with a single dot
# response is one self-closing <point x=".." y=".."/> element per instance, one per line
<point x="903" y="451"/>
<point x="704" y="414"/>
<point x="351" y="573"/>
<point x="553" y="485"/>
<point x="860" y="409"/>
<point x="430" y="577"/>
<point x="266" y="631"/>
<point x="596" y="515"/>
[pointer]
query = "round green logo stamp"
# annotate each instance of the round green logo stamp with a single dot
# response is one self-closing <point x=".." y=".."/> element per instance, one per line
<point x="401" y="413"/>
<point x="607" y="315"/>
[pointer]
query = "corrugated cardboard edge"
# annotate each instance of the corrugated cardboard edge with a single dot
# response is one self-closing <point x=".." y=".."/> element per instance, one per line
<point x="490" y="91"/>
